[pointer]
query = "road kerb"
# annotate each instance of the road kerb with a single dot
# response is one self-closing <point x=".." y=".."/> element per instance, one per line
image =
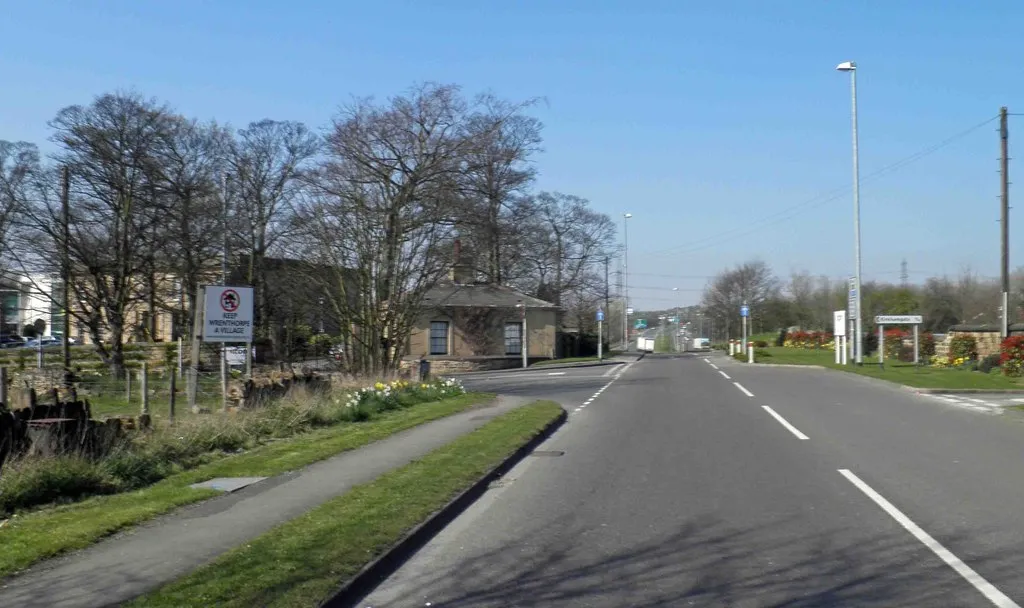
<point x="384" y="566"/>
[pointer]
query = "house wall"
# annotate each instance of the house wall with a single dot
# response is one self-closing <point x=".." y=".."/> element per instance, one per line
<point x="540" y="341"/>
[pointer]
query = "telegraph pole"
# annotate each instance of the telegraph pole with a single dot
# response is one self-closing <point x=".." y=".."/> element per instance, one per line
<point x="1004" y="170"/>
<point x="65" y="270"/>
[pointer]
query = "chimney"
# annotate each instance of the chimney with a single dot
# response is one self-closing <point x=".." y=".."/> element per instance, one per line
<point x="461" y="273"/>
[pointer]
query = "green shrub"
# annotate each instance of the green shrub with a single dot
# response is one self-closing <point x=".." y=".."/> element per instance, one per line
<point x="132" y="469"/>
<point x="927" y="344"/>
<point x="987" y="364"/>
<point x="965" y="347"/>
<point x="760" y="344"/>
<point x="36" y="481"/>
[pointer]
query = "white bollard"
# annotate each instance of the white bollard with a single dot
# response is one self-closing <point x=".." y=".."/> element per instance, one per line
<point x="838" y="344"/>
<point x="750" y="352"/>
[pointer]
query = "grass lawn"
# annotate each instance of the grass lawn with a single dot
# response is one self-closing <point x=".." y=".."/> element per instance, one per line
<point x="37" y="535"/>
<point x="901" y="373"/>
<point x="303" y="561"/>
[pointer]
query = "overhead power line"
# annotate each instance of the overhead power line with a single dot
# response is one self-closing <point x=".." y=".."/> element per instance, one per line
<point x="832" y="195"/>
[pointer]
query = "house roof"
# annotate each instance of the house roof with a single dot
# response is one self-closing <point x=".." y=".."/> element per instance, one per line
<point x="482" y="295"/>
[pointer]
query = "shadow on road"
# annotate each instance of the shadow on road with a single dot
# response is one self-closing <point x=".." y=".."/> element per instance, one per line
<point x="704" y="563"/>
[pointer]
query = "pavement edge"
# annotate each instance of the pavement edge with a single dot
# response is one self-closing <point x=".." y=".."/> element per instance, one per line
<point x="374" y="573"/>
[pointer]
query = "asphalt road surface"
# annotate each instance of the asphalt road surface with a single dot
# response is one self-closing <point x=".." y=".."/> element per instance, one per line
<point x="696" y="481"/>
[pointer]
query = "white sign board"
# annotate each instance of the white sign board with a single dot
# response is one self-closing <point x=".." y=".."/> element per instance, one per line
<point x="851" y="299"/>
<point x="899" y="320"/>
<point x="227" y="314"/>
<point x="629" y="310"/>
<point x="839" y="323"/>
<point x="235" y="355"/>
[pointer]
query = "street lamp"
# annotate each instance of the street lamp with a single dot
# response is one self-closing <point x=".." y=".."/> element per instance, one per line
<point x="625" y="280"/>
<point x="851" y="67"/>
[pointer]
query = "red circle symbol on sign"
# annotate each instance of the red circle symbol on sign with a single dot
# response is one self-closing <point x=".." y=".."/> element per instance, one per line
<point x="229" y="300"/>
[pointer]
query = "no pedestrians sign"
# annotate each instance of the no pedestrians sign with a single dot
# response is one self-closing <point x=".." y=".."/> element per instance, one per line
<point x="227" y="314"/>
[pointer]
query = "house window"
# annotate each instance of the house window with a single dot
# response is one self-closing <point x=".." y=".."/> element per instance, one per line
<point x="439" y="337"/>
<point x="513" y="338"/>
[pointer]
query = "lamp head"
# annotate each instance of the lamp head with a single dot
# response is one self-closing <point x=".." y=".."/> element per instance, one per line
<point x="847" y="66"/>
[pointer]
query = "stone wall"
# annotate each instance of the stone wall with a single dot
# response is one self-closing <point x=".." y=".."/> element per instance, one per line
<point x="989" y="341"/>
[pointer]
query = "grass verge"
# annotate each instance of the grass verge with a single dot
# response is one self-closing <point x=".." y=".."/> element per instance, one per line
<point x="907" y="374"/>
<point x="37" y="535"/>
<point x="302" y="562"/>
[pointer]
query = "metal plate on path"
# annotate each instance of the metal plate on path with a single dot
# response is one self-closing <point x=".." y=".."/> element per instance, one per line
<point x="226" y="484"/>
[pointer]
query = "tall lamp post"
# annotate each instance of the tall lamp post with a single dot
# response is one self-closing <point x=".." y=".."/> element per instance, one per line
<point x="625" y="280"/>
<point x="851" y="67"/>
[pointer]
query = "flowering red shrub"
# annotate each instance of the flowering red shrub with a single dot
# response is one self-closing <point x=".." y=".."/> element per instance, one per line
<point x="1011" y="356"/>
<point x="894" y="342"/>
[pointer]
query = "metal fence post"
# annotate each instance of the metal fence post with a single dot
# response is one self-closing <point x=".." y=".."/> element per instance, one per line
<point x="128" y="385"/>
<point x="144" y="386"/>
<point x="3" y="388"/>
<point x="173" y="388"/>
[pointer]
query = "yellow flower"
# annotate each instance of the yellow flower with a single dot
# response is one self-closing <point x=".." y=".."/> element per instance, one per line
<point x="379" y="386"/>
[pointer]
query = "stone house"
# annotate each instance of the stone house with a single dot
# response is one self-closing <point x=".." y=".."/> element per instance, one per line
<point x="471" y="325"/>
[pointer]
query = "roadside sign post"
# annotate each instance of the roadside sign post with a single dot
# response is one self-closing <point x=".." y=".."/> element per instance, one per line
<point x="744" y="312"/>
<point x="883" y="320"/>
<point x="839" y="335"/>
<point x="851" y="315"/>
<point x="227" y="318"/>
<point x="600" y="339"/>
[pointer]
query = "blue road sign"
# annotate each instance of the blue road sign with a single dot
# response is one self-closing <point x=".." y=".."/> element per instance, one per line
<point x="600" y="315"/>
<point x="744" y="311"/>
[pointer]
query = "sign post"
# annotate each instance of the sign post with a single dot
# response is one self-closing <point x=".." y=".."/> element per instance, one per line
<point x="839" y="335"/>
<point x="883" y="320"/>
<point x="600" y="339"/>
<point x="744" y="312"/>
<point x="851" y="315"/>
<point x="227" y="318"/>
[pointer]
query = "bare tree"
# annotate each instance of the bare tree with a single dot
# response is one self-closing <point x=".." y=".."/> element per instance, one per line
<point x="190" y="188"/>
<point x="19" y="167"/>
<point x="567" y="241"/>
<point x="268" y="161"/>
<point x="751" y="283"/>
<point x="497" y="175"/>
<point x="109" y="147"/>
<point x="378" y="226"/>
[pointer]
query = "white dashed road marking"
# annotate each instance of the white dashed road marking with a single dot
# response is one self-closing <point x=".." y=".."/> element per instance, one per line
<point x="745" y="391"/>
<point x="977" y="405"/>
<point x="997" y="597"/>
<point x="789" y="427"/>
<point x="556" y="373"/>
<point x="621" y="369"/>
<point x="724" y="375"/>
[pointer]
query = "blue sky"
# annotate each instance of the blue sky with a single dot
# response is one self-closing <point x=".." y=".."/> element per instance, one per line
<point x="699" y="118"/>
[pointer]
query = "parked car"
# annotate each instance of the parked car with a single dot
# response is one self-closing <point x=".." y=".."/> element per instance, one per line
<point x="11" y="341"/>
<point x="47" y="342"/>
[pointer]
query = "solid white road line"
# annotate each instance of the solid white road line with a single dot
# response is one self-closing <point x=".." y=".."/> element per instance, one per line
<point x="1017" y="400"/>
<point x="724" y="375"/>
<point x="745" y="391"/>
<point x="611" y="370"/>
<point x="997" y="597"/>
<point x="785" y="423"/>
<point x="556" y="373"/>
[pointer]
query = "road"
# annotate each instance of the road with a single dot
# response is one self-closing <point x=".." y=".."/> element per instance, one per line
<point x="696" y="481"/>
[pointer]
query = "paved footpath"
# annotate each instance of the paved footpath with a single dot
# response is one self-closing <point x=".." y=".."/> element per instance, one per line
<point x="141" y="559"/>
